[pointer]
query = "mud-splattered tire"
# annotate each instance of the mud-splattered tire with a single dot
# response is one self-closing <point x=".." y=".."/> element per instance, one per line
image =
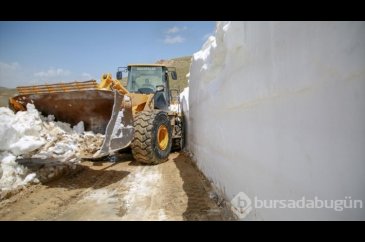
<point x="152" y="139"/>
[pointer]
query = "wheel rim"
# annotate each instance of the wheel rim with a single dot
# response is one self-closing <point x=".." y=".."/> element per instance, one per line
<point x="162" y="137"/>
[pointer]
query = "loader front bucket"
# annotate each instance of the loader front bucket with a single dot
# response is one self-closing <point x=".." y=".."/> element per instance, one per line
<point x="94" y="107"/>
<point x="102" y="111"/>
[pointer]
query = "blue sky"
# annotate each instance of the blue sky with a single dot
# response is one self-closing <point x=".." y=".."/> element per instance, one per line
<point x="47" y="52"/>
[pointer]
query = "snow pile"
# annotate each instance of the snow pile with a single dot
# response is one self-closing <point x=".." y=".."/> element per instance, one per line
<point x="20" y="132"/>
<point x="29" y="135"/>
<point x="12" y="174"/>
<point x="277" y="112"/>
<point x="89" y="143"/>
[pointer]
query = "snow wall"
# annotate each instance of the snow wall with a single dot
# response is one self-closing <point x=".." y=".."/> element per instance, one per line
<point x="277" y="111"/>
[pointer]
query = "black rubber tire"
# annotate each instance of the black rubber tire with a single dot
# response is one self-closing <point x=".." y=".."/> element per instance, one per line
<point x="144" y="145"/>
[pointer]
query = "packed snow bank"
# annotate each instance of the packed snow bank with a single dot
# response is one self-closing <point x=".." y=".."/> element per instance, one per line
<point x="29" y="135"/>
<point x="184" y="99"/>
<point x="277" y="112"/>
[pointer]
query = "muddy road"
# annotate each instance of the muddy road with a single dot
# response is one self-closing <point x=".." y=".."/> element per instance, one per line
<point x="119" y="190"/>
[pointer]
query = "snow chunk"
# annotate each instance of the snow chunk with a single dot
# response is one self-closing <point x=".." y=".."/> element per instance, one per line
<point x="174" y="107"/>
<point x="30" y="177"/>
<point x="12" y="173"/>
<point x="26" y="144"/>
<point x="79" y="128"/>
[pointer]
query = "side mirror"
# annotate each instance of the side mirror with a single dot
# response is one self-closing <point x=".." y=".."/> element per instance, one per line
<point x="119" y="75"/>
<point x="174" y="75"/>
<point x="160" y="88"/>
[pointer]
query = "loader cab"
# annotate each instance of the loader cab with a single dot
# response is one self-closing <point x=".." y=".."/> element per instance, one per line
<point x="149" y="79"/>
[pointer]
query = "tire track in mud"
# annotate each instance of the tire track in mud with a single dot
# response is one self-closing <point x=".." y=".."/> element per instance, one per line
<point x="124" y="190"/>
<point x="46" y="202"/>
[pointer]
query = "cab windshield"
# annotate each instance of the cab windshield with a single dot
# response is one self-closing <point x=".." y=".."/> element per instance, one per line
<point x="144" y="79"/>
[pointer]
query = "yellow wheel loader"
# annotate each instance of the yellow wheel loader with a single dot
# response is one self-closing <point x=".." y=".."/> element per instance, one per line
<point x="139" y="115"/>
